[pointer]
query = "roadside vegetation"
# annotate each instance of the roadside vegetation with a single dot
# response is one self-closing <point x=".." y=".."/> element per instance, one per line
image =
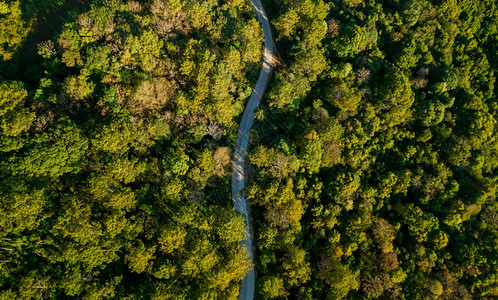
<point x="373" y="159"/>
<point x="375" y="155"/>
<point x="115" y="148"/>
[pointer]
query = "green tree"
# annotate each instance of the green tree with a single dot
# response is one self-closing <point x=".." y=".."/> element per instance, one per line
<point x="269" y="287"/>
<point x="14" y="117"/>
<point x="59" y="151"/>
<point x="13" y="28"/>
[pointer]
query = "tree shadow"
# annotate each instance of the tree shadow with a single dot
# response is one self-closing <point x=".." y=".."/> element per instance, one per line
<point x="46" y="19"/>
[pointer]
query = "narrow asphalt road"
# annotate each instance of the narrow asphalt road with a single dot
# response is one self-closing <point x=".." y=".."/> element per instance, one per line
<point x="238" y="160"/>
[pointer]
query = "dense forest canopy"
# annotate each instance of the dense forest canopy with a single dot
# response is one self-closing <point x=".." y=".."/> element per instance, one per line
<point x="115" y="149"/>
<point x="375" y="156"/>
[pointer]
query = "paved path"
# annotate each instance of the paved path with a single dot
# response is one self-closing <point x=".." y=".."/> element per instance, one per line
<point x="238" y="160"/>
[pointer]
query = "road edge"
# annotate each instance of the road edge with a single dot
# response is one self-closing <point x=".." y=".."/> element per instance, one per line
<point x="239" y="158"/>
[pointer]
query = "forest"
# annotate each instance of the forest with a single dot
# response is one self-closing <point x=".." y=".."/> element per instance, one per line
<point x="374" y="155"/>
<point x="115" y="145"/>
<point x="373" y="158"/>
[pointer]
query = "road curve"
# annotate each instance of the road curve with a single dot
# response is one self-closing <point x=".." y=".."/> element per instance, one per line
<point x="238" y="160"/>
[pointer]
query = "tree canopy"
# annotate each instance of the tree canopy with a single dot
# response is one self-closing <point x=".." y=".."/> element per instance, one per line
<point x="374" y="157"/>
<point x="115" y="153"/>
<point x="372" y="163"/>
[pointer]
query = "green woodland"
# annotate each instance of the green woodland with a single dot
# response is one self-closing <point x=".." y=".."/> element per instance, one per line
<point x="115" y="146"/>
<point x="373" y="157"/>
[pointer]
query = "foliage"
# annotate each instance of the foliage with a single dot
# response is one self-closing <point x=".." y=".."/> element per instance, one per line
<point x="373" y="159"/>
<point x="12" y="27"/>
<point x="115" y="160"/>
<point x="389" y="117"/>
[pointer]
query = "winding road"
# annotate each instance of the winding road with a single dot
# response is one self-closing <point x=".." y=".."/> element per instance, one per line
<point x="238" y="160"/>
